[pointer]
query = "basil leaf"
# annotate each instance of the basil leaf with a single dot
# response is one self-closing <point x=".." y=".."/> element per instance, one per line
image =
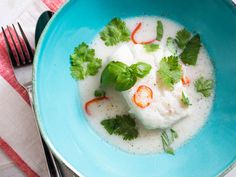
<point x="111" y="72"/>
<point x="125" y="81"/>
<point x="159" y="30"/>
<point x="190" y="53"/>
<point x="117" y="67"/>
<point x="141" y="69"/>
<point x="121" y="76"/>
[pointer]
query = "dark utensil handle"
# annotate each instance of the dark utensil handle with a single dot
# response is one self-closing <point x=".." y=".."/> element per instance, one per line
<point x="42" y="22"/>
<point x="53" y="167"/>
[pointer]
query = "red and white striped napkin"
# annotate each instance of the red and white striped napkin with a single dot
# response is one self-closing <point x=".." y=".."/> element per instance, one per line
<point x="21" y="152"/>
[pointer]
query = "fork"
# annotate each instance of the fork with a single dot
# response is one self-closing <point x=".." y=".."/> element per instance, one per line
<point x="22" y="63"/>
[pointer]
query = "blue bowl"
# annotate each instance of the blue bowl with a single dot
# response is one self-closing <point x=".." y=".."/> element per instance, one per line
<point x="59" y="109"/>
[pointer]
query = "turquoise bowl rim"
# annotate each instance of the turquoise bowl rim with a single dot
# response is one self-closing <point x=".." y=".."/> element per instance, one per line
<point x="34" y="93"/>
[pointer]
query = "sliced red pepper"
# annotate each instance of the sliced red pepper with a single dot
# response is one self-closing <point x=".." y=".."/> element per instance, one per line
<point x="133" y="36"/>
<point x="143" y="96"/>
<point x="134" y="32"/>
<point x="185" y="80"/>
<point x="94" y="100"/>
<point x="148" y="42"/>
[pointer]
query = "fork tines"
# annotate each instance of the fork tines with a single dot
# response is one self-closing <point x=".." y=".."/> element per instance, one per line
<point x="21" y="54"/>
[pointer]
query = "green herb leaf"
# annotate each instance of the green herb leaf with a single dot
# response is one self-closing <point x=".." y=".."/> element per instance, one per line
<point x="99" y="93"/>
<point x="204" y="86"/>
<point x="125" y="80"/>
<point x="141" y="69"/>
<point x="168" y="137"/>
<point x="83" y="62"/>
<point x="185" y="100"/>
<point x="171" y="45"/>
<point x="93" y="66"/>
<point x="151" y="47"/>
<point x="124" y="126"/>
<point x="83" y="53"/>
<point x="78" y="72"/>
<point x="159" y="30"/>
<point x="190" y="53"/>
<point x="111" y="72"/>
<point x="182" y="37"/>
<point x="116" y="31"/>
<point x="174" y="134"/>
<point x="121" y="76"/>
<point x="170" y="71"/>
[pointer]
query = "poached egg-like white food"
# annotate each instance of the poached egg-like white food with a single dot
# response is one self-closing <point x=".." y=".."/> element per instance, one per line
<point x="154" y="106"/>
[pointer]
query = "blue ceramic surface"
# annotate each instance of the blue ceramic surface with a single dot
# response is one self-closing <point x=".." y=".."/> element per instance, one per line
<point x="59" y="110"/>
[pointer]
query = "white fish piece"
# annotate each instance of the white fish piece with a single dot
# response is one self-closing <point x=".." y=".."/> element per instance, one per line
<point x="123" y="54"/>
<point x="165" y="108"/>
<point x="140" y="54"/>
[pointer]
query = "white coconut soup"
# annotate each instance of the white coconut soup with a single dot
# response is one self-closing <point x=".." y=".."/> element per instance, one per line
<point x="188" y="120"/>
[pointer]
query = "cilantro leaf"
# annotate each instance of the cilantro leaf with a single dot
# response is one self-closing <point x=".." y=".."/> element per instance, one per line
<point x="93" y="66"/>
<point x="170" y="71"/>
<point x="185" y="100"/>
<point x="121" y="76"/>
<point x="182" y="37"/>
<point x="83" y="53"/>
<point x="99" y="93"/>
<point x="83" y="62"/>
<point x="204" y="86"/>
<point x="159" y="30"/>
<point x="141" y="69"/>
<point x="151" y="47"/>
<point x="171" y="45"/>
<point x="116" y="31"/>
<point x="168" y="137"/>
<point x="190" y="53"/>
<point x="124" y="126"/>
<point x="77" y="72"/>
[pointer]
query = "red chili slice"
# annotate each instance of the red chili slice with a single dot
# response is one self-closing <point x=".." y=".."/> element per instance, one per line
<point x="185" y="80"/>
<point x="94" y="100"/>
<point x="143" y="96"/>
<point x="133" y="36"/>
<point x="148" y="42"/>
